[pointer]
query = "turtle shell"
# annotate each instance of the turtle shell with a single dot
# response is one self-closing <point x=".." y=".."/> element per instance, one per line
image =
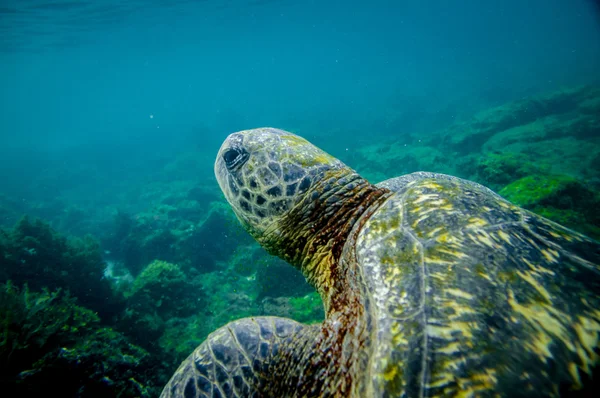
<point x="471" y="294"/>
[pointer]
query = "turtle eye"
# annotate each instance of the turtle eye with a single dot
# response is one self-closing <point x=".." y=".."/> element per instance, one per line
<point x="234" y="158"/>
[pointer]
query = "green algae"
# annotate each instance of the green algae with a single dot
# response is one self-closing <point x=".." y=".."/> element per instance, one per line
<point x="563" y="199"/>
<point x="540" y="189"/>
<point x="307" y="309"/>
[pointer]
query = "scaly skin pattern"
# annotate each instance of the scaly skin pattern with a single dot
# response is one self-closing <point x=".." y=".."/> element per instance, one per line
<point x="432" y="286"/>
<point x="477" y="297"/>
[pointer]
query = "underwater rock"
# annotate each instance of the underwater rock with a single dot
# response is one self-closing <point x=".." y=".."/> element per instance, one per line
<point x="165" y="288"/>
<point x="34" y="253"/>
<point x="470" y="136"/>
<point x="558" y="191"/>
<point x="495" y="170"/>
<point x="160" y="292"/>
<point x="560" y="198"/>
<point x="50" y="343"/>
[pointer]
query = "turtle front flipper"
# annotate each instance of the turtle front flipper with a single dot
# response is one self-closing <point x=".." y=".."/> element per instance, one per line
<point x="233" y="361"/>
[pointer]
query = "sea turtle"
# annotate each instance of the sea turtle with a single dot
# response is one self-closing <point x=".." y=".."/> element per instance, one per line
<point x="432" y="286"/>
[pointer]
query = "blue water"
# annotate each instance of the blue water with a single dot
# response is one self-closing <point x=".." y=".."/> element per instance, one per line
<point x="157" y="72"/>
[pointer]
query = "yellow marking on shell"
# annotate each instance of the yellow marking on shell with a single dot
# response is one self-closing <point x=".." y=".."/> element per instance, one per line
<point x="398" y="337"/>
<point x="431" y="185"/>
<point x="423" y="217"/>
<point x="546" y="320"/>
<point x="575" y="374"/>
<point x="537" y="268"/>
<point x="459" y="310"/>
<point x="449" y="240"/>
<point x="446" y="207"/>
<point x="442" y="380"/>
<point x="484" y="237"/>
<point x="448" y="331"/>
<point x="426" y="211"/>
<point x="480" y="270"/>
<point x="415" y="249"/>
<point x="529" y="278"/>
<point x="452" y="348"/>
<point x="425" y="197"/>
<point x="392" y="273"/>
<point x="541" y="345"/>
<point x="459" y="293"/>
<point x="454" y="363"/>
<point x="504" y="236"/>
<point x="532" y="243"/>
<point x="587" y="331"/>
<point x="476" y="383"/>
<point x="450" y="252"/>
<point x="439" y="276"/>
<point x="476" y="222"/>
<point x="434" y="231"/>
<point x="550" y="254"/>
<point x="390" y="373"/>
<point x="439" y="203"/>
<point x="437" y="261"/>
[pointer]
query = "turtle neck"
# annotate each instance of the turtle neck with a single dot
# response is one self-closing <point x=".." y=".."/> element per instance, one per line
<point x="315" y="231"/>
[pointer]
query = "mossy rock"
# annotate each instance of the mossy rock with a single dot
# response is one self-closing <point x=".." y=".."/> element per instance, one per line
<point x="500" y="168"/>
<point x="35" y="253"/>
<point x="232" y="297"/>
<point x="157" y="274"/>
<point x="183" y="335"/>
<point x="560" y="198"/>
<point x="558" y="191"/>
<point x="307" y="309"/>
<point x="163" y="287"/>
<point x="50" y="343"/>
<point x="471" y="136"/>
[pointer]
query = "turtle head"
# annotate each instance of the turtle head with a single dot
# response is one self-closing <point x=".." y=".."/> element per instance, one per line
<point x="264" y="173"/>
